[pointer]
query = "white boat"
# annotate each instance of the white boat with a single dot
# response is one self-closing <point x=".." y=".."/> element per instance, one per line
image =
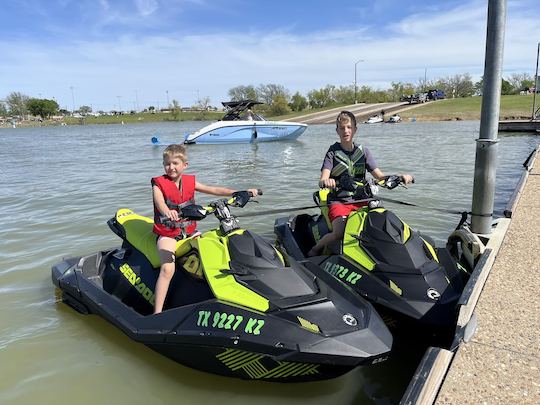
<point x="240" y="125"/>
<point x="374" y="119"/>
<point x="394" y="119"/>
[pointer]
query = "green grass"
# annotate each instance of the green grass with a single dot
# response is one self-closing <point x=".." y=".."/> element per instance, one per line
<point x="469" y="108"/>
<point x="144" y="117"/>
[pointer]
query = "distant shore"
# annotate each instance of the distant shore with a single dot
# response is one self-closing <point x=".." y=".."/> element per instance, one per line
<point x="460" y="109"/>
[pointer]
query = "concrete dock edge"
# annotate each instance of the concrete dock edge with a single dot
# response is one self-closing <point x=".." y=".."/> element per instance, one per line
<point x="501" y="364"/>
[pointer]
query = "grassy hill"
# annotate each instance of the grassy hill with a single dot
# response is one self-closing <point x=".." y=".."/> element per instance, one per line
<point x="512" y="107"/>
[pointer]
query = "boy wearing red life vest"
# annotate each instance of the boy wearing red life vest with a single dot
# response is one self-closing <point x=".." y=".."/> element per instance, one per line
<point x="171" y="191"/>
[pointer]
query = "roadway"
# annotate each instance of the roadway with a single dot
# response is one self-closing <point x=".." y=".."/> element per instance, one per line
<point x="361" y="111"/>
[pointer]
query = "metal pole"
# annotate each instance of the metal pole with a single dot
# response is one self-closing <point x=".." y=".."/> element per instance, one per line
<point x="486" y="145"/>
<point x="72" y="99"/>
<point x="535" y="84"/>
<point x="356" y="64"/>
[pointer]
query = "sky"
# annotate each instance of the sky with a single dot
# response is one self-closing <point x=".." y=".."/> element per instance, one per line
<point x="131" y="54"/>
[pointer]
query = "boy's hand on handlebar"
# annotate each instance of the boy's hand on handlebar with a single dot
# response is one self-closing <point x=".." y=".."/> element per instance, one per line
<point x="407" y="178"/>
<point x="327" y="183"/>
<point x="172" y="215"/>
<point x="254" y="192"/>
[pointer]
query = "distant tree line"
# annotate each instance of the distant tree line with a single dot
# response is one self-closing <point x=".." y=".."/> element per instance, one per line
<point x="279" y="100"/>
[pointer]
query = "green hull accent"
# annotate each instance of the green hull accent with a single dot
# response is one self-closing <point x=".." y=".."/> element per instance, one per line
<point x="257" y="366"/>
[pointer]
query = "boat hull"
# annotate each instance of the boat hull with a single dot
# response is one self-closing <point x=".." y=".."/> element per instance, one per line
<point x="253" y="132"/>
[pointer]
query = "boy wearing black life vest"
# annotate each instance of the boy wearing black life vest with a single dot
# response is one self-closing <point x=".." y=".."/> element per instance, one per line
<point x="172" y="191"/>
<point x="345" y="160"/>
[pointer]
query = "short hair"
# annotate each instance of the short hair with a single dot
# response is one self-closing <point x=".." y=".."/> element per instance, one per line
<point x="345" y="116"/>
<point x="175" y="150"/>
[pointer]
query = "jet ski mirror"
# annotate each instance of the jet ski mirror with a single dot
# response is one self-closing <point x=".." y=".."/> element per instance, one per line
<point x="241" y="198"/>
<point x="193" y="212"/>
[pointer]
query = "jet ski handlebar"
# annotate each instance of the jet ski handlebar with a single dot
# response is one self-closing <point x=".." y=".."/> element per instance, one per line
<point x="392" y="181"/>
<point x="220" y="208"/>
<point x="348" y="183"/>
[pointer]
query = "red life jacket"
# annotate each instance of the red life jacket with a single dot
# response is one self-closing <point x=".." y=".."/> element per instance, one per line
<point x="173" y="196"/>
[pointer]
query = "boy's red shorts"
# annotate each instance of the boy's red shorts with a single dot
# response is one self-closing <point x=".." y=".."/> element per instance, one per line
<point x="342" y="210"/>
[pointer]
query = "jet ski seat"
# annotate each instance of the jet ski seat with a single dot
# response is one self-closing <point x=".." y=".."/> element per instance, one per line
<point x="137" y="230"/>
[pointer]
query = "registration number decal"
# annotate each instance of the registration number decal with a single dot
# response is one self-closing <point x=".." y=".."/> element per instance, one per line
<point x="223" y="320"/>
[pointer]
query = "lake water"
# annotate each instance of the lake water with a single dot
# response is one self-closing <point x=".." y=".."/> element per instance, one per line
<point x="59" y="186"/>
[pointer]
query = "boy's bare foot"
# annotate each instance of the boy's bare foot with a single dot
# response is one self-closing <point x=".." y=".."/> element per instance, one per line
<point x="311" y="253"/>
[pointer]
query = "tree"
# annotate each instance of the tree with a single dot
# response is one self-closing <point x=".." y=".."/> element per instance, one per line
<point x="42" y="107"/>
<point x="3" y="109"/>
<point x="399" y="89"/>
<point x="268" y="92"/>
<point x="322" y="98"/>
<point x="17" y="103"/>
<point x="204" y="103"/>
<point x="242" y="93"/>
<point x="506" y="88"/>
<point x="344" y="94"/>
<point x="175" y="109"/>
<point x="279" y="105"/>
<point x="298" y="102"/>
<point x="520" y="81"/>
<point x="460" y="85"/>
<point x="85" y="109"/>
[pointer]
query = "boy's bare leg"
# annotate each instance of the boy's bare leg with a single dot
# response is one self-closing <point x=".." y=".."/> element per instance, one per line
<point x="166" y="247"/>
<point x="338" y="229"/>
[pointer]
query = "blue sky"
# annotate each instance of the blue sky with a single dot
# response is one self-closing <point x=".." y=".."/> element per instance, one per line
<point x="127" y="53"/>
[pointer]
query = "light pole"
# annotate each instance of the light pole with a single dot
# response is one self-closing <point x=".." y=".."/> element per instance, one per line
<point x="72" y="99"/>
<point x="167" y="91"/>
<point x="119" y="105"/>
<point x="535" y="111"/>
<point x="356" y="64"/>
<point x="136" y="101"/>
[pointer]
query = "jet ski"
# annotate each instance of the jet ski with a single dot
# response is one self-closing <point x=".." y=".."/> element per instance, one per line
<point x="394" y="119"/>
<point x="236" y="306"/>
<point x="413" y="284"/>
<point x="374" y="119"/>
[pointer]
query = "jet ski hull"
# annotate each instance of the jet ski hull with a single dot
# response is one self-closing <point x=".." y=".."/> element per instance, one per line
<point x="414" y="302"/>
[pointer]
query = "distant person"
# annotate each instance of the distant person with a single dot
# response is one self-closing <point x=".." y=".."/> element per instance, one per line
<point x="345" y="160"/>
<point x="249" y="115"/>
<point x="171" y="191"/>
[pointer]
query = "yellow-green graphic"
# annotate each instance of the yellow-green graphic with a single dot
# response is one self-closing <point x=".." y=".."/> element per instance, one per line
<point x="257" y="366"/>
<point x="135" y="281"/>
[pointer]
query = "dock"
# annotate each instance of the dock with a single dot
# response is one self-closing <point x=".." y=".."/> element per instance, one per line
<point x="499" y="363"/>
<point x="519" y="126"/>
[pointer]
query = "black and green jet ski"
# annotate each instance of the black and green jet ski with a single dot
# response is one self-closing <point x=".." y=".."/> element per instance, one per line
<point x="236" y="306"/>
<point x="413" y="284"/>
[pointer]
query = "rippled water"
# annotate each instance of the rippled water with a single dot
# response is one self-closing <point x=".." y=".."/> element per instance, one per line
<point x="60" y="185"/>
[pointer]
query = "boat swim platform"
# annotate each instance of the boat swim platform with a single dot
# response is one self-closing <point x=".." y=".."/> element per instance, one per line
<point x="499" y="362"/>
